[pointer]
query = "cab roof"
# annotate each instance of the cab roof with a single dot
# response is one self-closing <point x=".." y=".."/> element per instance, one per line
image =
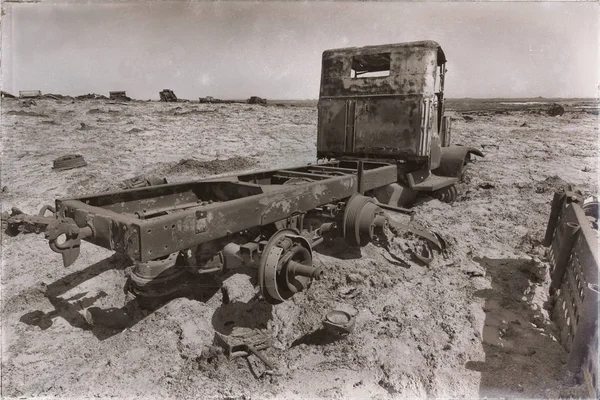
<point x="428" y="44"/>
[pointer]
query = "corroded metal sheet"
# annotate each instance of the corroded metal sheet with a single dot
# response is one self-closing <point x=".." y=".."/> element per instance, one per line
<point x="412" y="70"/>
<point x="573" y="255"/>
<point x="387" y="126"/>
<point x="382" y="102"/>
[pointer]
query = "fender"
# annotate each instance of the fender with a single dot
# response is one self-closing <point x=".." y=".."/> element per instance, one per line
<point x="453" y="159"/>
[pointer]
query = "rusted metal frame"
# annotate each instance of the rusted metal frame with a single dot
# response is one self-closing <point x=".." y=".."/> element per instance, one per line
<point x="559" y="202"/>
<point x="350" y="133"/>
<point x="111" y="230"/>
<point x="124" y="232"/>
<point x="295" y="174"/>
<point x="566" y="237"/>
<point x="143" y="214"/>
<point x="332" y="169"/>
<point x="555" y="211"/>
<point x="378" y="95"/>
<point x="163" y="195"/>
<point x="586" y="253"/>
<point x="271" y="171"/>
<point x="378" y="177"/>
<point x="165" y="234"/>
<point x="570" y="249"/>
<point x="229" y="179"/>
<point x="145" y="240"/>
<point x="360" y="174"/>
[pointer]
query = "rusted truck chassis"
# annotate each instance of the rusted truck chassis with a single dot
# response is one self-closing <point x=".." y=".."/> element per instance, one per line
<point x="381" y="130"/>
<point x="269" y="220"/>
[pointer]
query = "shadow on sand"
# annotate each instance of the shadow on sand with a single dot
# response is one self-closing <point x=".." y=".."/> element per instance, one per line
<point x="522" y="359"/>
<point x="105" y="323"/>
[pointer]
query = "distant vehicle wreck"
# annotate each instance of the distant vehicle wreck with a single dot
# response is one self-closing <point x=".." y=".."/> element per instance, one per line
<point x="167" y="95"/>
<point x="256" y="100"/>
<point x="28" y="94"/>
<point x="119" y="96"/>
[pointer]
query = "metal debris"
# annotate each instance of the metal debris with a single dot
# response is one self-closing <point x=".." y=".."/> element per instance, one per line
<point x="167" y="95"/>
<point x="6" y="95"/>
<point x="25" y="94"/>
<point x="339" y="321"/>
<point x="69" y="161"/>
<point x="143" y="181"/>
<point x="119" y="96"/>
<point x="243" y="342"/>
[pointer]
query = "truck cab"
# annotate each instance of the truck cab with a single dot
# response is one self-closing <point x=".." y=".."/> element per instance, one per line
<point x="386" y="102"/>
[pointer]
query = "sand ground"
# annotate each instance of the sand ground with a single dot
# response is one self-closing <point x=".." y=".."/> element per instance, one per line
<point x="472" y="324"/>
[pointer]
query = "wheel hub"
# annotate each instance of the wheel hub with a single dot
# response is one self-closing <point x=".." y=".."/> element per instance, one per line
<point x="362" y="219"/>
<point x="286" y="266"/>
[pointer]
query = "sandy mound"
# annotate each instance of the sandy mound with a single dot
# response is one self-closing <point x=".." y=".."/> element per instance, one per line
<point x="206" y="168"/>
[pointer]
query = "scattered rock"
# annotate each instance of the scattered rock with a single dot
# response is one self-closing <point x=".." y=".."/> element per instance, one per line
<point x="196" y="339"/>
<point x="524" y="125"/>
<point x="257" y="100"/>
<point x="27" y="103"/>
<point x="354" y="278"/>
<point x="84" y="127"/>
<point x="535" y="269"/>
<point x="237" y="288"/>
<point x="552" y="184"/>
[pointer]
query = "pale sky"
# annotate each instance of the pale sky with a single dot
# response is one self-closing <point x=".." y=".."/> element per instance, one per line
<point x="234" y="50"/>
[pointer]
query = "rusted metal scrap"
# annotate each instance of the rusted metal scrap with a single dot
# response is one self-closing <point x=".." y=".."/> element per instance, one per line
<point x="24" y="94"/>
<point x="339" y="321"/>
<point x="243" y="342"/>
<point x="17" y="221"/>
<point x="167" y="95"/>
<point x="572" y="241"/>
<point x="69" y="161"/>
<point x="143" y="181"/>
<point x="119" y="96"/>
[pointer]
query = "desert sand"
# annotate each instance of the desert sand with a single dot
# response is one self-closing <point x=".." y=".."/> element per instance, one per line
<point x="471" y="324"/>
